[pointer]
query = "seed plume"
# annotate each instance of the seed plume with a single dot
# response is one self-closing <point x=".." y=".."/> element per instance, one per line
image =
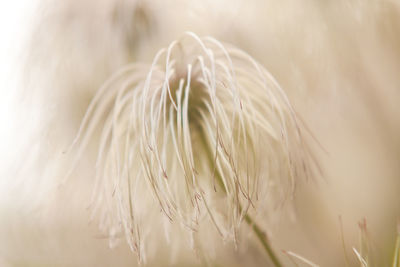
<point x="202" y="136"/>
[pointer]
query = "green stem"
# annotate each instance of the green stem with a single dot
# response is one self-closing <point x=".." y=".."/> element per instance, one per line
<point x="257" y="230"/>
<point x="263" y="239"/>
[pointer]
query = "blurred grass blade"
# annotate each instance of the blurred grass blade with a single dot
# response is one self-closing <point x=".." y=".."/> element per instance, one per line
<point x="360" y="258"/>
<point x="304" y="260"/>
<point x="396" y="256"/>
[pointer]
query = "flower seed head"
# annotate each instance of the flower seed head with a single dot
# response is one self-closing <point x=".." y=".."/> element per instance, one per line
<point x="202" y="136"/>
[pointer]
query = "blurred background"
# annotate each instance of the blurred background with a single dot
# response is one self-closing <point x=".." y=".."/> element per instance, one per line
<point x="338" y="62"/>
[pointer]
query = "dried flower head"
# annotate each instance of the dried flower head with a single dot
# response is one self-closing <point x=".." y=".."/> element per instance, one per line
<point x="202" y="136"/>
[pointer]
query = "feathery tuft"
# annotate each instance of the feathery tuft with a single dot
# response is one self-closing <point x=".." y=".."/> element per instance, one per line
<point x="204" y="134"/>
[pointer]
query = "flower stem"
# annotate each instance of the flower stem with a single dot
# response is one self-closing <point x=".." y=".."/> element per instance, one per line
<point x="263" y="239"/>
<point x="257" y="230"/>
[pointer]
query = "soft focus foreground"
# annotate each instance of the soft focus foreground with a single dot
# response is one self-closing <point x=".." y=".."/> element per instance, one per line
<point x="338" y="62"/>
